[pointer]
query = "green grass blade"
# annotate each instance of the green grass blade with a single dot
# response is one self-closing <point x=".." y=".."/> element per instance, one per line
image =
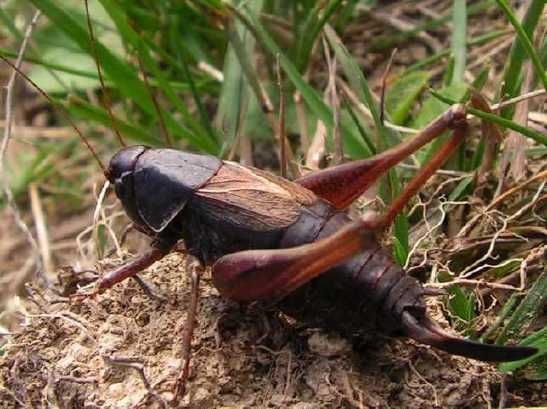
<point x="360" y="127"/>
<point x="239" y="77"/>
<point x="498" y="120"/>
<point x="512" y="76"/>
<point x="526" y="312"/>
<point x="82" y="109"/>
<point x="524" y="38"/>
<point x="310" y="95"/>
<point x="403" y="94"/>
<point x="53" y="66"/>
<point x="538" y="340"/>
<point x="459" y="51"/>
<point x="115" y="68"/>
<point x="308" y="33"/>
<point x="182" y="57"/>
<point x="202" y="138"/>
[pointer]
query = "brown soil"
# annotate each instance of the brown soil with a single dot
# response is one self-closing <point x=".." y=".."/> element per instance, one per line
<point x="64" y="357"/>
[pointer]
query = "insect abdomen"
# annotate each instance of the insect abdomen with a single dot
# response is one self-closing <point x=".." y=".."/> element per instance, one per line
<point x="367" y="292"/>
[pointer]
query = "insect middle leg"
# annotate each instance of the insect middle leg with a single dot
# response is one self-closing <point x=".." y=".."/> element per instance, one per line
<point x="180" y="385"/>
<point x="131" y="268"/>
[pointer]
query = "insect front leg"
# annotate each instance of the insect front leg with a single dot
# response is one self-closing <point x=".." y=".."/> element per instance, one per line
<point x="131" y="268"/>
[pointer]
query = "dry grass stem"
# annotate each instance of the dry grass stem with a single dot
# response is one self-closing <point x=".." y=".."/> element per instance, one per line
<point x="41" y="228"/>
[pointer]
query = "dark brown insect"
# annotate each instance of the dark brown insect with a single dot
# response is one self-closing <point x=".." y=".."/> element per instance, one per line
<point x="292" y="243"/>
<point x="270" y="239"/>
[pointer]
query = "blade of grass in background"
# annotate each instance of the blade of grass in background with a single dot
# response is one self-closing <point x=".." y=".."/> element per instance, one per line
<point x="123" y="74"/>
<point x="183" y="59"/>
<point x="57" y="67"/>
<point x="309" y="31"/>
<point x="355" y="146"/>
<point x="363" y="130"/>
<point x="535" y="12"/>
<point x="235" y="92"/>
<point x="134" y="39"/>
<point x="84" y="110"/>
<point x="512" y="77"/>
<point x="119" y="71"/>
<point x="498" y="120"/>
<point x="459" y="38"/>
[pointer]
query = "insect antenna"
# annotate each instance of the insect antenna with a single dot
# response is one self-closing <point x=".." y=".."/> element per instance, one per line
<point x="166" y="136"/>
<point x="60" y="108"/>
<point x="106" y="101"/>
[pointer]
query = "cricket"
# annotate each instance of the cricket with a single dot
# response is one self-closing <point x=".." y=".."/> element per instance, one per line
<point x="293" y="246"/>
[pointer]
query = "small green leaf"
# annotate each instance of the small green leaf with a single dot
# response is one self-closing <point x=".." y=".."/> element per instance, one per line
<point x="403" y="93"/>
<point x="399" y="252"/>
<point x="526" y="312"/>
<point x="538" y="370"/>
<point x="461" y="189"/>
<point x="432" y="107"/>
<point x="462" y="303"/>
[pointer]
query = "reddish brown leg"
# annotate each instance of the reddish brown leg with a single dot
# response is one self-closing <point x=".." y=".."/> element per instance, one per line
<point x="271" y="274"/>
<point x="131" y="268"/>
<point x="422" y="176"/>
<point x="180" y="385"/>
<point x="342" y="184"/>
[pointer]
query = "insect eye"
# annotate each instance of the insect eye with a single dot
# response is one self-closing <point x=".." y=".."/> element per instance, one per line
<point x="120" y="188"/>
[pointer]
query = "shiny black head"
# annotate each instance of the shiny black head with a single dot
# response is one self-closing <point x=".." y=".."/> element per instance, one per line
<point x="120" y="173"/>
<point x="154" y="185"/>
<point x="123" y="163"/>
